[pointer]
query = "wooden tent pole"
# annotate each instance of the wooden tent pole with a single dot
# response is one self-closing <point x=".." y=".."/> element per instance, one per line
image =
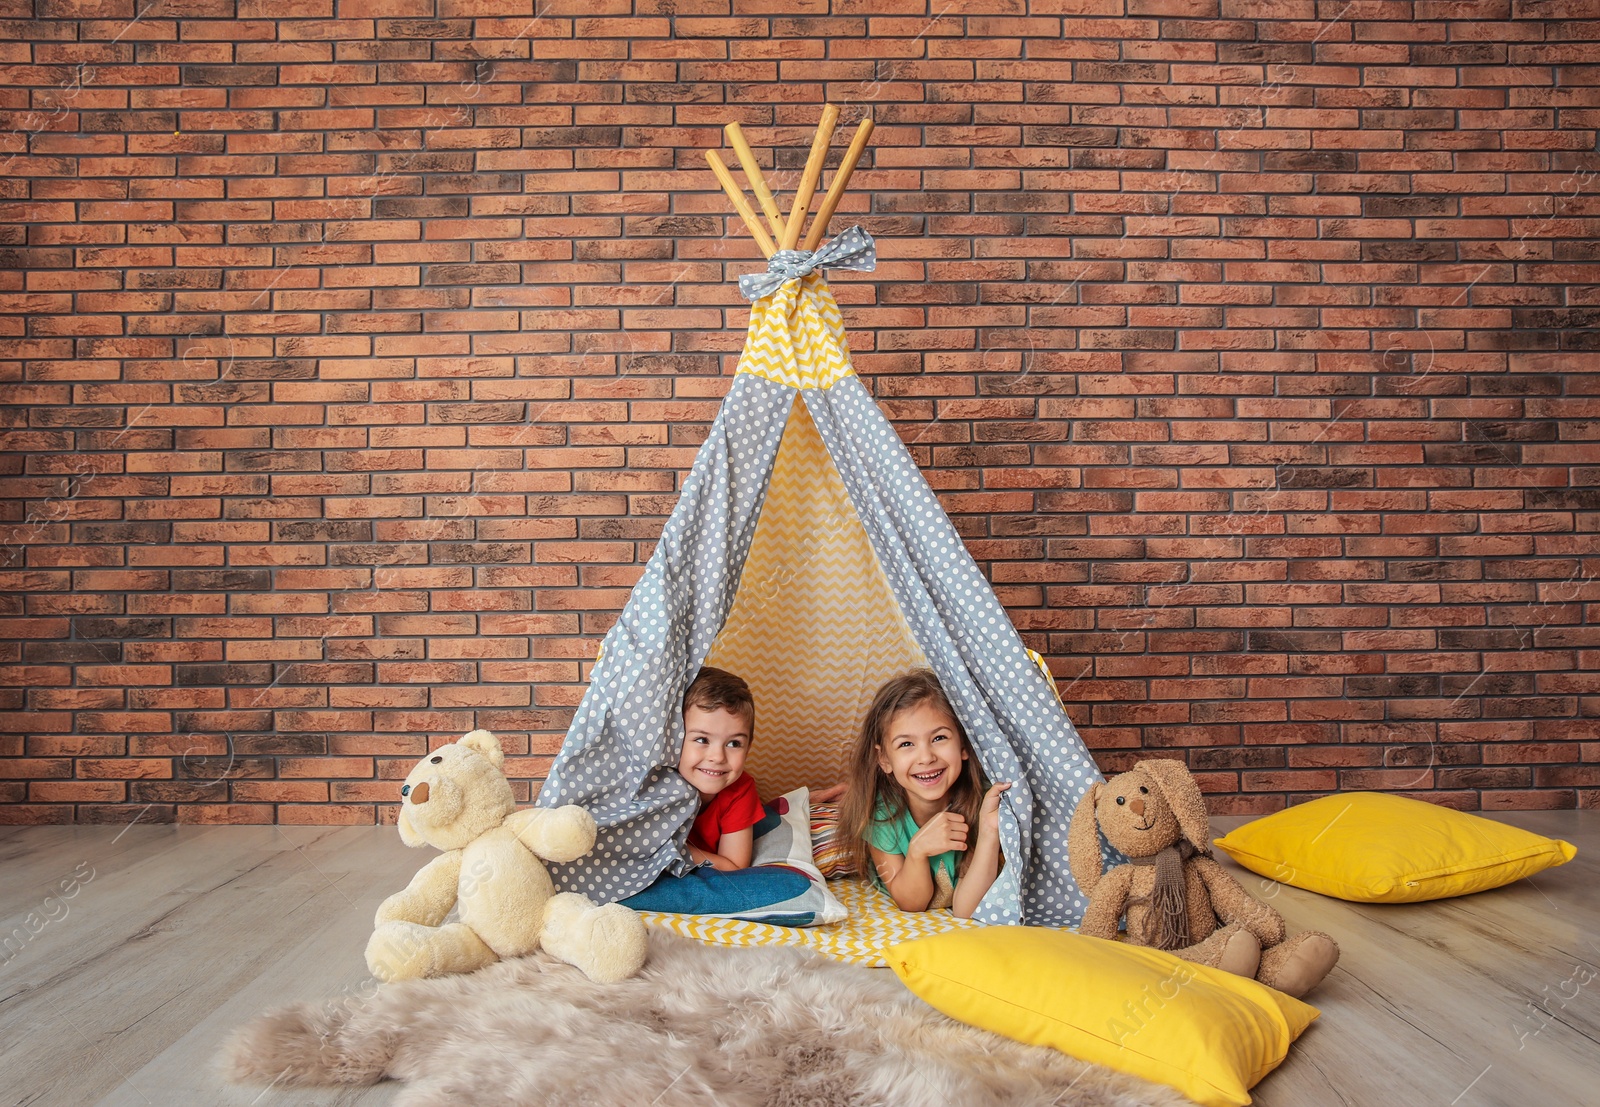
<point x="758" y="183"/>
<point x="752" y="222"/>
<point x="812" y="174"/>
<point x="841" y="181"/>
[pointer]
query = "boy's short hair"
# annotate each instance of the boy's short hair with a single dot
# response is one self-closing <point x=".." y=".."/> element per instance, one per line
<point x="719" y="690"/>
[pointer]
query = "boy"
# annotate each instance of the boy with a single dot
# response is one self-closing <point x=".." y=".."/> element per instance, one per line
<point x="719" y="719"/>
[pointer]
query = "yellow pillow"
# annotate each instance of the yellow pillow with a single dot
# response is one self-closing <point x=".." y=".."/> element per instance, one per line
<point x="1378" y="848"/>
<point x="1207" y="1033"/>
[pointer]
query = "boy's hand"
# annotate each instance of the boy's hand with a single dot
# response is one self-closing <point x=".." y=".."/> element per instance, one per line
<point x="989" y="815"/>
<point x="945" y="831"/>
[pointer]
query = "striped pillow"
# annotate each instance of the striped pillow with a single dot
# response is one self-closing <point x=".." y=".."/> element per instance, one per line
<point x="827" y="850"/>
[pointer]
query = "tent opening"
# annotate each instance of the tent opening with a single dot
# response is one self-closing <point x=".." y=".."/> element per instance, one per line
<point x="814" y="628"/>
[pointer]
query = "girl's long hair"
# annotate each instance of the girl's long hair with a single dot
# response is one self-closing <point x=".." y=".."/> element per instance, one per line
<point x="870" y="786"/>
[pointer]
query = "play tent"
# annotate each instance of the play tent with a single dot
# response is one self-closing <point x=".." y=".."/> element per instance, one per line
<point x="808" y="554"/>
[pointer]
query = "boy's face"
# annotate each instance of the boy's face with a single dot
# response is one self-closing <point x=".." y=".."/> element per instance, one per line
<point x="714" y="748"/>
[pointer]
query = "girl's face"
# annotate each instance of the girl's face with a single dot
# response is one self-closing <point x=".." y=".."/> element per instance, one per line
<point x="922" y="749"/>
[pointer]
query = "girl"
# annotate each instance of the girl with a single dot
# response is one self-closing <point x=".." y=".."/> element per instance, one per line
<point x="914" y="792"/>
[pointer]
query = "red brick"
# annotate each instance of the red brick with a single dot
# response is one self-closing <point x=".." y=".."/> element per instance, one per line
<point x="275" y="792"/>
<point x="231" y="814"/>
<point x="381" y="462"/>
<point x="326" y="814"/>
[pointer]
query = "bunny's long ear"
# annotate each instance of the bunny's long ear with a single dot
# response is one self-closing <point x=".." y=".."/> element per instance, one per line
<point x="1083" y="842"/>
<point x="1182" y="793"/>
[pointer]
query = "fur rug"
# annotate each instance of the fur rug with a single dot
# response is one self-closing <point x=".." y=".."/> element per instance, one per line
<point x="770" y="1026"/>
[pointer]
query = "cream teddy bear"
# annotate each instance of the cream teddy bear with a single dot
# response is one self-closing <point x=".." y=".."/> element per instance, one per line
<point x="458" y="800"/>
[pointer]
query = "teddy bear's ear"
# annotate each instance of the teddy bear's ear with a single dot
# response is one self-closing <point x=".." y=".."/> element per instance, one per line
<point x="486" y="744"/>
<point x="1182" y="793"/>
<point x="1083" y="841"/>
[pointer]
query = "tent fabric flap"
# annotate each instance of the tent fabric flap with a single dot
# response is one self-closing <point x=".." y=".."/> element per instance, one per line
<point x="620" y="756"/>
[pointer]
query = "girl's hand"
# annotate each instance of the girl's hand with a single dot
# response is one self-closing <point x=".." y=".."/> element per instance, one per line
<point x="989" y="816"/>
<point x="829" y="794"/>
<point x="945" y="831"/>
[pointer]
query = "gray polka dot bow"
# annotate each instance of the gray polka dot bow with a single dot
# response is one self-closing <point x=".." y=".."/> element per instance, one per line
<point x="854" y="249"/>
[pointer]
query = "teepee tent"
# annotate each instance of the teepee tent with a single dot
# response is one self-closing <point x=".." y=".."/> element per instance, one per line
<point x="808" y="554"/>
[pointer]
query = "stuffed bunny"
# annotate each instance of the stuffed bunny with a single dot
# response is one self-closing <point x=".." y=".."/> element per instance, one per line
<point x="1175" y="895"/>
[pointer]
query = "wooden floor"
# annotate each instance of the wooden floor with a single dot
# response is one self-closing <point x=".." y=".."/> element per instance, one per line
<point x="173" y="936"/>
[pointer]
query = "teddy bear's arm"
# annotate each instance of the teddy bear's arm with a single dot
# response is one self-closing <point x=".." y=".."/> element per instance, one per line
<point x="1235" y="905"/>
<point x="1107" y="903"/>
<point x="554" y="833"/>
<point x="429" y="896"/>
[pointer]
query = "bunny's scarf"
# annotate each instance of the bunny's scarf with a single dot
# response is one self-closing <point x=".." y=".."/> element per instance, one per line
<point x="1168" y="902"/>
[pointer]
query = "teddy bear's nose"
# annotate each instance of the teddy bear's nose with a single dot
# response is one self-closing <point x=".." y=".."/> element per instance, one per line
<point x="419" y="794"/>
<point x="1136" y="803"/>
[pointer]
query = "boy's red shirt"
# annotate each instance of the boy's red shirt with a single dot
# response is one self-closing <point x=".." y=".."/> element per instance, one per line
<point x="737" y="807"/>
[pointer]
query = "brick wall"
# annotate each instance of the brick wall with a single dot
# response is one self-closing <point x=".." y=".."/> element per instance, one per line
<point x="357" y="349"/>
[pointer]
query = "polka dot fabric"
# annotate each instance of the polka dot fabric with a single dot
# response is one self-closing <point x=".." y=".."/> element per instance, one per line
<point x="1008" y="707"/>
<point x="620" y="756"/>
<point x="854" y="249"/>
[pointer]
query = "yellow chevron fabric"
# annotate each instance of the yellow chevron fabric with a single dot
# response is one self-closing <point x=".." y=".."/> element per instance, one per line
<point x="814" y="628"/>
<point x="874" y="924"/>
<point x="796" y="336"/>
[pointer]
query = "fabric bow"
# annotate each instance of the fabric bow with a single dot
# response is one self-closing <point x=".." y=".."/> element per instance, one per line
<point x="854" y="249"/>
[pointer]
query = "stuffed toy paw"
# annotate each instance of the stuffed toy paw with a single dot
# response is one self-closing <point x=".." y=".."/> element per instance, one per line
<point x="492" y="868"/>
<point x="1174" y="894"/>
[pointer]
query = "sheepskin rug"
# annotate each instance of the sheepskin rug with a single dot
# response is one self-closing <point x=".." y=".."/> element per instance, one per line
<point x="770" y="1026"/>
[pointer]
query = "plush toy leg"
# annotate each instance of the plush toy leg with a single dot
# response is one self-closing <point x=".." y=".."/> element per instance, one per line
<point x="1231" y="949"/>
<point x="407" y="951"/>
<point x="1297" y="965"/>
<point x="1241" y="953"/>
<point x="608" y="943"/>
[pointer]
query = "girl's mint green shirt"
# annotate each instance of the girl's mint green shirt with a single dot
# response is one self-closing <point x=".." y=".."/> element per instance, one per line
<point x="893" y="835"/>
